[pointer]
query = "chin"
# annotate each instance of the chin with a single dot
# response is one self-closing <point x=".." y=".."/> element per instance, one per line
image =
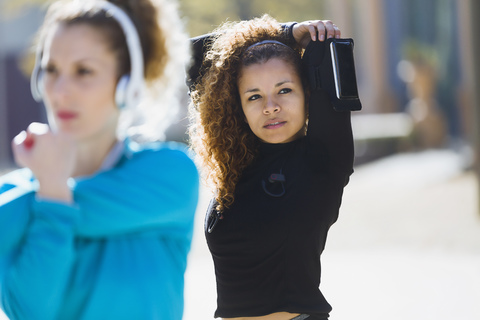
<point x="276" y="141"/>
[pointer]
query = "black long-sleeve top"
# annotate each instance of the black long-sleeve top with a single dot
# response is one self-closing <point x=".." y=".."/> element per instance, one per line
<point x="266" y="249"/>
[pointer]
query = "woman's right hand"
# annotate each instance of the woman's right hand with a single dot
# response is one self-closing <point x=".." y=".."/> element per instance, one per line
<point x="51" y="158"/>
<point x="305" y="31"/>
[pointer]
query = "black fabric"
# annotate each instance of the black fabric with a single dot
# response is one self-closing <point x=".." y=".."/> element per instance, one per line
<point x="199" y="47"/>
<point x="317" y="317"/>
<point x="266" y="250"/>
<point x="318" y="66"/>
<point x="310" y="317"/>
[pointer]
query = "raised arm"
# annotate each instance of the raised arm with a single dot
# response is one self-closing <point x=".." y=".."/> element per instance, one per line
<point x="301" y="32"/>
<point x="154" y="189"/>
<point x="16" y="195"/>
<point x="329" y="131"/>
<point x="38" y="224"/>
<point x="36" y="253"/>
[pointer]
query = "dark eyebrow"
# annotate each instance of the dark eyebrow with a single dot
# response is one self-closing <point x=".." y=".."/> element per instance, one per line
<point x="88" y="60"/>
<point x="281" y="83"/>
<point x="252" y="90"/>
<point x="79" y="61"/>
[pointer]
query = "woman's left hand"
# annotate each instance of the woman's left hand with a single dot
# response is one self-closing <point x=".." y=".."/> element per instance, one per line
<point x="305" y="31"/>
<point x="51" y="158"/>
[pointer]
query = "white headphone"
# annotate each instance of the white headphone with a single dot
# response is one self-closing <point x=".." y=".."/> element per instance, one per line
<point x="130" y="87"/>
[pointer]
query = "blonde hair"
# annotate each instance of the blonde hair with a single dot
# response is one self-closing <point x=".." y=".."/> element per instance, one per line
<point x="165" y="49"/>
<point x="219" y="135"/>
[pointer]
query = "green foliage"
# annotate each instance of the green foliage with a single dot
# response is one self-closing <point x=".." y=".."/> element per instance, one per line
<point x="420" y="53"/>
<point x="12" y="8"/>
<point x="202" y="16"/>
<point x="293" y="10"/>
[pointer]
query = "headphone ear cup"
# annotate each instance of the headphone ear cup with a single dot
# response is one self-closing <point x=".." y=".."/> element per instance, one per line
<point x="41" y="84"/>
<point x="121" y="91"/>
<point x="37" y="84"/>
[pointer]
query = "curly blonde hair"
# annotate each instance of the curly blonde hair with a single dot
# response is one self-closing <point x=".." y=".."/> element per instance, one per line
<point x="219" y="135"/>
<point x="165" y="48"/>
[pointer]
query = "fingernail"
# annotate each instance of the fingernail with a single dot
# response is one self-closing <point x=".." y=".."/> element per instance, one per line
<point x="322" y="37"/>
<point x="314" y="38"/>
<point x="337" y="36"/>
<point x="19" y="138"/>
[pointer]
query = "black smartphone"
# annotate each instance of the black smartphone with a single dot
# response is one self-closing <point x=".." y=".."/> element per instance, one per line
<point x="344" y="69"/>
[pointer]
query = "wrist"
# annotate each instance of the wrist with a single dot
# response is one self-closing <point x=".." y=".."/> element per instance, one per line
<point x="57" y="191"/>
<point x="288" y="30"/>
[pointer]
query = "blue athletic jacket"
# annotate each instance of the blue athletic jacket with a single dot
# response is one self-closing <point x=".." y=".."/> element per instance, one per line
<point x="119" y="252"/>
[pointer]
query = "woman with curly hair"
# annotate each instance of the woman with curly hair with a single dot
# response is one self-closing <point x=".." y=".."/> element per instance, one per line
<point x="277" y="164"/>
<point x="99" y="222"/>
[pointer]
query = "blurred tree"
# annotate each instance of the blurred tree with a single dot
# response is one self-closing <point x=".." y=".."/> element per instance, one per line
<point x="475" y="14"/>
<point x="11" y="8"/>
<point x="294" y="10"/>
<point x="244" y="9"/>
<point x="202" y="16"/>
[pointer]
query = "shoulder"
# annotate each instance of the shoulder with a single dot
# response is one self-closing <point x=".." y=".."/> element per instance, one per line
<point x="135" y="149"/>
<point x="161" y="156"/>
<point x="158" y="151"/>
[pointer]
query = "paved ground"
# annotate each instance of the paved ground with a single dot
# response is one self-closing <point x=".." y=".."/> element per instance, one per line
<point x="406" y="246"/>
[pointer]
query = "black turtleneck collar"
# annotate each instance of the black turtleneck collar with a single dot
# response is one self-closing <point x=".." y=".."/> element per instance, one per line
<point x="272" y="150"/>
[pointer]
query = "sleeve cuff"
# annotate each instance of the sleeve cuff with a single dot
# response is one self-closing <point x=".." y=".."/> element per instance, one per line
<point x="57" y="212"/>
<point x="288" y="29"/>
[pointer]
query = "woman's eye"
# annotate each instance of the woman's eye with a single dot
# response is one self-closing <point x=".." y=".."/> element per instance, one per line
<point x="285" y="90"/>
<point x="84" y="71"/>
<point x="254" y="97"/>
<point x="50" y="69"/>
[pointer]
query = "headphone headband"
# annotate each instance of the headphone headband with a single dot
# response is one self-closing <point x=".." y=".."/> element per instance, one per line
<point x="130" y="87"/>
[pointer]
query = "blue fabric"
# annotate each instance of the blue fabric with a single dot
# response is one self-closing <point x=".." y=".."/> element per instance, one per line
<point x="119" y="252"/>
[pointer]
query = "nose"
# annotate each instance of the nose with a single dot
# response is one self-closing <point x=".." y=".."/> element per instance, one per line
<point x="271" y="106"/>
<point x="58" y="87"/>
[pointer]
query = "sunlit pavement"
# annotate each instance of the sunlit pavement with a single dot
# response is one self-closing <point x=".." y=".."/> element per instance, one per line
<point x="406" y="245"/>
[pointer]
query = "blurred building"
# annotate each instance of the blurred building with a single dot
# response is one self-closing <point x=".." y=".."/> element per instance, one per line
<point x="414" y="62"/>
<point x="17" y="107"/>
<point x="413" y="59"/>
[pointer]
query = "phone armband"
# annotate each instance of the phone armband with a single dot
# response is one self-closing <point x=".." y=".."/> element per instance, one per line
<point x="329" y="65"/>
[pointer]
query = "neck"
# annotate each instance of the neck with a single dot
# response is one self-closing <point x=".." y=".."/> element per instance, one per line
<point x="91" y="154"/>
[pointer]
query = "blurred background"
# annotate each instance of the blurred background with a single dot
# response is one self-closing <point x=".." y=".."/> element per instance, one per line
<point x="415" y="66"/>
<point x="407" y="244"/>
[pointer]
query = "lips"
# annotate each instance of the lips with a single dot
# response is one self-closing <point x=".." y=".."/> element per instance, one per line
<point x="274" y="123"/>
<point x="66" y="115"/>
